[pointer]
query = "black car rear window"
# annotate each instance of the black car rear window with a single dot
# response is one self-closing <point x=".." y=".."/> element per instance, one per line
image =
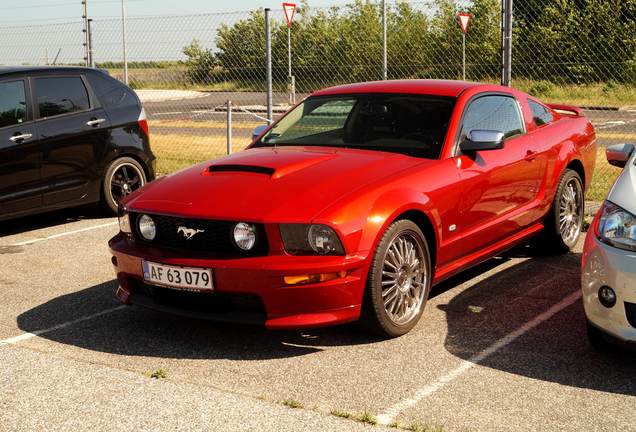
<point x="60" y="95"/>
<point x="110" y="92"/>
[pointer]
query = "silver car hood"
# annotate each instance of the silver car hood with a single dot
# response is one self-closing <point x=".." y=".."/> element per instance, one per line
<point x="623" y="193"/>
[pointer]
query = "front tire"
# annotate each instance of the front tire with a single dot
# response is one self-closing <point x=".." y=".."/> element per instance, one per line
<point x="399" y="281"/>
<point x="123" y="176"/>
<point x="564" y="223"/>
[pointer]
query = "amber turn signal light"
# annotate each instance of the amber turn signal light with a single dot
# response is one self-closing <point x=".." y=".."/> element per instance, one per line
<point x="306" y="279"/>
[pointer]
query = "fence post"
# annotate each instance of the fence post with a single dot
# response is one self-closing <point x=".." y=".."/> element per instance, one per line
<point x="229" y="127"/>
<point x="91" y="61"/>
<point x="86" y="43"/>
<point x="124" y="44"/>
<point x="384" y="47"/>
<point x="506" y="42"/>
<point x="268" y="65"/>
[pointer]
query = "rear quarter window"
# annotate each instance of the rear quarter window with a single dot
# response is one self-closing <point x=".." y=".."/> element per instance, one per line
<point x="540" y="114"/>
<point x="110" y="92"/>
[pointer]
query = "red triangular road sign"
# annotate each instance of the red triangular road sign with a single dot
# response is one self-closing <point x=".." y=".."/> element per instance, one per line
<point x="290" y="11"/>
<point x="464" y="20"/>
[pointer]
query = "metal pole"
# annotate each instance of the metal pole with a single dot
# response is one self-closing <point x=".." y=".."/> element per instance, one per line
<point x="268" y="65"/>
<point x="123" y="33"/>
<point x="506" y="43"/>
<point x="85" y="18"/>
<point x="463" y="56"/>
<point x="292" y="83"/>
<point x="91" y="61"/>
<point x="229" y="127"/>
<point x="384" y="47"/>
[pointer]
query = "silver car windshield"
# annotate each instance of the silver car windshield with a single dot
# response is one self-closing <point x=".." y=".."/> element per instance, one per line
<point x="410" y="124"/>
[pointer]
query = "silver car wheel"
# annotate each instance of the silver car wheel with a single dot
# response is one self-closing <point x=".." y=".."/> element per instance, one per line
<point x="404" y="278"/>
<point x="571" y="211"/>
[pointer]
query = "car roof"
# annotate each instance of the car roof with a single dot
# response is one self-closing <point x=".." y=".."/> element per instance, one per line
<point x="8" y="70"/>
<point x="450" y="88"/>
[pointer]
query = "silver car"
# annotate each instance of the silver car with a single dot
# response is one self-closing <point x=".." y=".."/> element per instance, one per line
<point x="609" y="258"/>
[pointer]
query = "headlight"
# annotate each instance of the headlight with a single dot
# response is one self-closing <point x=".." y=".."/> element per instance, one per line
<point x="244" y="235"/>
<point x="617" y="227"/>
<point x="312" y="239"/>
<point x="124" y="221"/>
<point x="146" y="227"/>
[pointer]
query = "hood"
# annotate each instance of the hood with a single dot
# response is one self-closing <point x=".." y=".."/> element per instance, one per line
<point x="283" y="184"/>
<point x="623" y="192"/>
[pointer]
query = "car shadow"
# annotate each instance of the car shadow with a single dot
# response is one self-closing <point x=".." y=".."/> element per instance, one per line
<point x="135" y="331"/>
<point x="51" y="219"/>
<point x="556" y="350"/>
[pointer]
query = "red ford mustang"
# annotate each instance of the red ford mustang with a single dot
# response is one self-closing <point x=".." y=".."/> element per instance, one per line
<point x="353" y="204"/>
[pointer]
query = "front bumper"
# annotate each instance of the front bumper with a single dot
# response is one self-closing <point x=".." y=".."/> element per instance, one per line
<point x="604" y="265"/>
<point x="247" y="290"/>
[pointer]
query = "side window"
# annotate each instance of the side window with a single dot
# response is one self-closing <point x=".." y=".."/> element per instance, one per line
<point x="500" y="113"/>
<point x="111" y="92"/>
<point x="540" y="114"/>
<point x="60" y="95"/>
<point x="12" y="103"/>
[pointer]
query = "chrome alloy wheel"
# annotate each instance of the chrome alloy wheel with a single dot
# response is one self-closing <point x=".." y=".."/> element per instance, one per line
<point x="571" y="211"/>
<point x="125" y="180"/>
<point x="404" y="278"/>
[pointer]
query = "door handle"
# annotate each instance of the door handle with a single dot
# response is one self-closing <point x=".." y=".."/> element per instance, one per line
<point x="95" y="122"/>
<point x="530" y="155"/>
<point x="21" y="137"/>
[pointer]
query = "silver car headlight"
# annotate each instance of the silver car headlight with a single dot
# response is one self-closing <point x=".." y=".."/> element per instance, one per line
<point x="310" y="239"/>
<point x="617" y="227"/>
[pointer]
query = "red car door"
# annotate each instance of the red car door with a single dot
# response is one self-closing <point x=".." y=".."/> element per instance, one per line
<point x="500" y="186"/>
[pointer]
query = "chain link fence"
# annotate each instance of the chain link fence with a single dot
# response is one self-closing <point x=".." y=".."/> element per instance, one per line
<point x="187" y="68"/>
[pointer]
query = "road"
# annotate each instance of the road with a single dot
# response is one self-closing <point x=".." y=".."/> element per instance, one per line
<point x="499" y="348"/>
<point x="612" y="126"/>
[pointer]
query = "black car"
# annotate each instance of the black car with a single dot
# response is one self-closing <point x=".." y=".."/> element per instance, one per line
<point x="69" y="136"/>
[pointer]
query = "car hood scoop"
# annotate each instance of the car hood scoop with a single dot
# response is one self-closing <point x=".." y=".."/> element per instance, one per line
<point x="241" y="168"/>
<point x="291" y="184"/>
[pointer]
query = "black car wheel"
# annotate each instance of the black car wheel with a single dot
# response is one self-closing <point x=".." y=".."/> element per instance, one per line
<point x="399" y="281"/>
<point x="123" y="176"/>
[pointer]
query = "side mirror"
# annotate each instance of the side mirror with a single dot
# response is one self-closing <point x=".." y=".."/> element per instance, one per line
<point x="619" y="154"/>
<point x="258" y="130"/>
<point x="479" y="140"/>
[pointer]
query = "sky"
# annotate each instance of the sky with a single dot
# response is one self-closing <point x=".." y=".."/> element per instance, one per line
<point x="45" y="11"/>
<point x="35" y="31"/>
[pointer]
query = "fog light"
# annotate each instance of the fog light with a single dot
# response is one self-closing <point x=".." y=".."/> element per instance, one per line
<point x="244" y="235"/>
<point x="147" y="228"/>
<point x="315" y="278"/>
<point x="607" y="296"/>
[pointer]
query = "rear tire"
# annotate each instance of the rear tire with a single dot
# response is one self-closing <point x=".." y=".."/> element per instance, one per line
<point x="123" y="176"/>
<point x="399" y="281"/>
<point x="564" y="223"/>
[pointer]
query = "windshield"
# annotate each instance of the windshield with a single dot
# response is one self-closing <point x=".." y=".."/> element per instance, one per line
<point x="410" y="124"/>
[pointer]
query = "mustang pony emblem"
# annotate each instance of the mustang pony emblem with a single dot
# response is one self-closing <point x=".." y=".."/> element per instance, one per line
<point x="188" y="233"/>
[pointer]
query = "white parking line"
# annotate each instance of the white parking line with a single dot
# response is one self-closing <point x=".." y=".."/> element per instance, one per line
<point x="64" y="234"/>
<point x="26" y="336"/>
<point x="388" y="417"/>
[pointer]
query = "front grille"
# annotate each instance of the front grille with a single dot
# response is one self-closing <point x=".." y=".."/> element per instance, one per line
<point x="630" y="311"/>
<point x="224" y="307"/>
<point x="212" y="236"/>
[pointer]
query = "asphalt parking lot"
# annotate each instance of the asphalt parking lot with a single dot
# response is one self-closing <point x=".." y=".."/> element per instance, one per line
<point x="501" y="347"/>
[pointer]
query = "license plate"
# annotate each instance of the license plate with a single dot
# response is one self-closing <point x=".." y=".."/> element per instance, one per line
<point x="186" y="278"/>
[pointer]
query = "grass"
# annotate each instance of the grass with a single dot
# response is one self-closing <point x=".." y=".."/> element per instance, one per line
<point x="159" y="374"/>
<point x="367" y="418"/>
<point x="421" y="427"/>
<point x="340" y="413"/>
<point x="291" y="403"/>
<point x="604" y="176"/>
